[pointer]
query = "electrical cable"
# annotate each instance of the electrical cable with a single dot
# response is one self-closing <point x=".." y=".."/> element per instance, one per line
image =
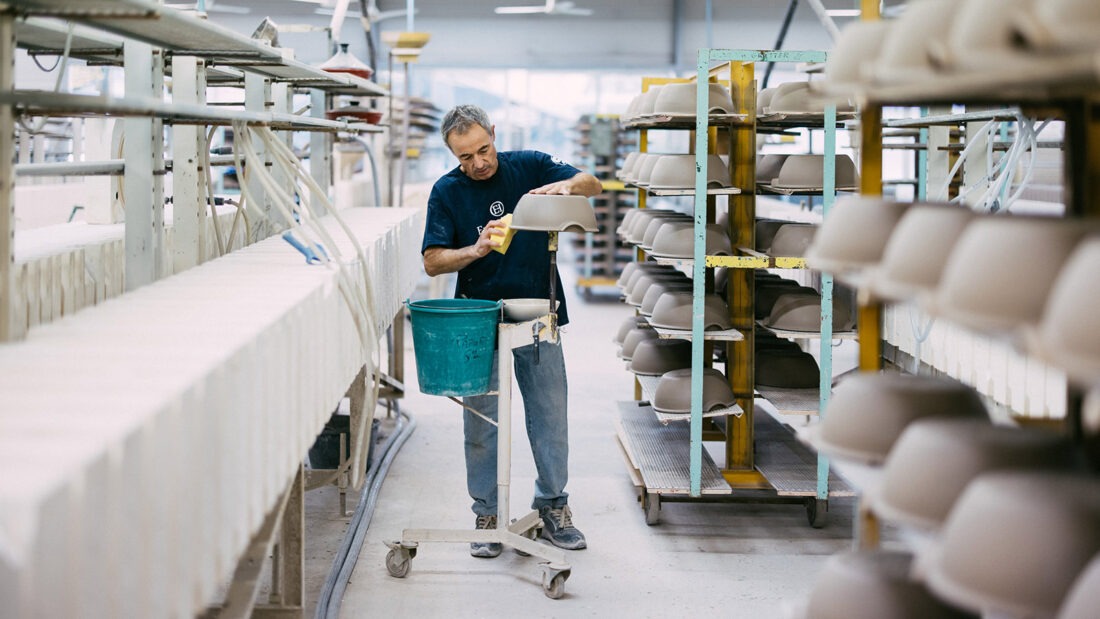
<point x="63" y="61"/>
<point x="343" y="564"/>
<point x="373" y="172"/>
<point x="360" y="301"/>
<point x="208" y="191"/>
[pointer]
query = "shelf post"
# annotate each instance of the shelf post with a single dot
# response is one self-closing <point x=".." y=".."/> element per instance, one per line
<point x="870" y="180"/>
<point x="188" y="187"/>
<point x="320" y="146"/>
<point x="257" y="90"/>
<point x="144" y="234"/>
<point x="698" y="278"/>
<point x="825" y="384"/>
<point x="740" y="285"/>
<point x="9" y="330"/>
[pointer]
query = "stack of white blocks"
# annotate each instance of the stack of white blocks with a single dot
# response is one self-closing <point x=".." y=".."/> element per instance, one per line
<point x="142" y="441"/>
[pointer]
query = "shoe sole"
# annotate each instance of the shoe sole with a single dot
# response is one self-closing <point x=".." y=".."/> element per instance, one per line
<point x="581" y="546"/>
<point x="485" y="553"/>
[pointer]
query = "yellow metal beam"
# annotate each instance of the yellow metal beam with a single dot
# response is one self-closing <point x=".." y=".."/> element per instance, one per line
<point x="746" y="480"/>
<point x="742" y="218"/>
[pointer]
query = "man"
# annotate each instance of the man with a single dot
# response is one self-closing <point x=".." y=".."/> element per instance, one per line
<point x="464" y="209"/>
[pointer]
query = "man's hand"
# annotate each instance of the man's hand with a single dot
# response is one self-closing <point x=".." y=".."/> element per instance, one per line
<point x="582" y="184"/>
<point x="559" y="188"/>
<point x="439" y="260"/>
<point x="485" y="244"/>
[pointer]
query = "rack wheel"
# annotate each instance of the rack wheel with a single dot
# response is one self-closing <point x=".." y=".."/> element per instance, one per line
<point x="397" y="562"/>
<point x="553" y="583"/>
<point x="651" y="504"/>
<point x="817" y="512"/>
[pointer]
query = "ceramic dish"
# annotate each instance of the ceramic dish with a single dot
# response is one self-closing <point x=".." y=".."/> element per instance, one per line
<point x="656" y="357"/>
<point x="678" y="172"/>
<point x="904" y="54"/>
<point x="855" y="234"/>
<point x="935" y="459"/>
<point x="679" y="99"/>
<point x="873" y="584"/>
<point x="520" y="310"/>
<point x="800" y="310"/>
<point x="1002" y="269"/>
<point x="807" y="172"/>
<point x="857" y="45"/>
<point x="787" y="369"/>
<point x="560" y="213"/>
<point x="868" y="412"/>
<point x="1016" y="541"/>
<point x="918" y="249"/>
<point x="673" y="393"/>
<point x="674" y="311"/>
<point x="633" y="338"/>
<point x="1069" y="334"/>
<point x="792" y="239"/>
<point x="676" y="240"/>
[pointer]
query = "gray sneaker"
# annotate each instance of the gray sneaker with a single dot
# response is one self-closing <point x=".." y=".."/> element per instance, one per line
<point x="485" y="550"/>
<point x="557" y="527"/>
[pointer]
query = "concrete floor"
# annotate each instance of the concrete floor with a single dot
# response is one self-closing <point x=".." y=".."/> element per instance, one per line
<point x="736" y="560"/>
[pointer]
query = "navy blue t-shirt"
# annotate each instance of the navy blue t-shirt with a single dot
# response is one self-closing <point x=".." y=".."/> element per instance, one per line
<point x="460" y="207"/>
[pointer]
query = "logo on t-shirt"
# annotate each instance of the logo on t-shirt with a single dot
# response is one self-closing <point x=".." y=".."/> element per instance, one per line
<point x="556" y="160"/>
<point x="496" y="209"/>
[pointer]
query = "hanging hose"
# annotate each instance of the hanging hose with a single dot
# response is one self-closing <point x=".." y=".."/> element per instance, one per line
<point x="332" y="592"/>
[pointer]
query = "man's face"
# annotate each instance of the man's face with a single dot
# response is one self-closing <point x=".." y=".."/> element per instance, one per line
<point x="477" y="156"/>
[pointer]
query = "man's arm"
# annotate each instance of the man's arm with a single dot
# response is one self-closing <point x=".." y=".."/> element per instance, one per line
<point x="582" y="184"/>
<point x="439" y="260"/>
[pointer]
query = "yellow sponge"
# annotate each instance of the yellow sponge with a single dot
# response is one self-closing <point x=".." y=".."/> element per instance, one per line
<point x="504" y="239"/>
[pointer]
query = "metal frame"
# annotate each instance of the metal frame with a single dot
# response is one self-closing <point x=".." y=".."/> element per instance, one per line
<point x="739" y="438"/>
<point x="520" y="533"/>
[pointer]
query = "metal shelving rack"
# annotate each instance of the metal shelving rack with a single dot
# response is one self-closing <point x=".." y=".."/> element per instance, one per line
<point x="150" y="41"/>
<point x="762" y="458"/>
<point x="599" y="142"/>
<point x="1066" y="89"/>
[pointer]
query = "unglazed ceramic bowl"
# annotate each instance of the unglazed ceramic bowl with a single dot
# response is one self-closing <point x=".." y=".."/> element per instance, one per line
<point x="674" y="311"/>
<point x="904" y="56"/>
<point x="792" y="239"/>
<point x="633" y="338"/>
<point x="679" y="99"/>
<point x="935" y="459"/>
<point x="858" y="45"/>
<point x="678" y="172"/>
<point x="873" y="584"/>
<point x="673" y="394"/>
<point x="807" y="172"/>
<point x="547" y="212"/>
<point x="800" y="310"/>
<point x="656" y="357"/>
<point x="787" y="369"/>
<point x="917" y="252"/>
<point x="868" y="412"/>
<point x="1002" y="269"/>
<point x="658" y="289"/>
<point x="1016" y="541"/>
<point x="1084" y="598"/>
<point x="855" y="234"/>
<point x="520" y="310"/>
<point x="677" y="240"/>
<point x="1069" y="333"/>
<point x="1059" y="25"/>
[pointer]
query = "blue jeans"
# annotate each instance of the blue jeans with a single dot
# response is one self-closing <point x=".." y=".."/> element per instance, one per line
<point x="544" y="390"/>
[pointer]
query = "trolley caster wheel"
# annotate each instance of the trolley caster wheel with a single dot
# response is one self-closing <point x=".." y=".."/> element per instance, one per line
<point x="398" y="559"/>
<point x="651" y="504"/>
<point x="553" y="583"/>
<point x="397" y="563"/>
<point x="817" y="512"/>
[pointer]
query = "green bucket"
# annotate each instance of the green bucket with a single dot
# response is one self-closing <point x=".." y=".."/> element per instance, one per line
<point x="454" y="341"/>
